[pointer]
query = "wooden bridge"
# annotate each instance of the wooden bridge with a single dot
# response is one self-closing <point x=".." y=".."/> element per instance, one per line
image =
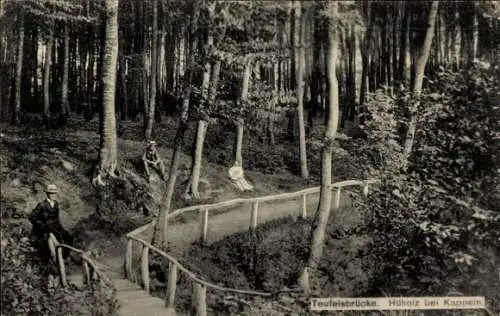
<point x="227" y="218"/>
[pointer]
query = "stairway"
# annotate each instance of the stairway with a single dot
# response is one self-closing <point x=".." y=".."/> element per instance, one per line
<point x="134" y="301"/>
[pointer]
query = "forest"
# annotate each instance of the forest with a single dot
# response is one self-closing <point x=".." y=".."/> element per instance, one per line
<point x="287" y="94"/>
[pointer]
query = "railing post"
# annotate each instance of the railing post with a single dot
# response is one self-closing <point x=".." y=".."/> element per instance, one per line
<point x="62" y="268"/>
<point x="93" y="274"/>
<point x="145" y="268"/>
<point x="254" y="215"/>
<point x="365" y="189"/>
<point x="200" y="299"/>
<point x="52" y="247"/>
<point x="85" y="272"/>
<point x="172" y="284"/>
<point x="336" y="202"/>
<point x="203" y="225"/>
<point x="304" y="205"/>
<point x="128" y="261"/>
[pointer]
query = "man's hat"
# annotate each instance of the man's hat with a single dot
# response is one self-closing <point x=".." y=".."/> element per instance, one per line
<point x="51" y="188"/>
<point x="152" y="142"/>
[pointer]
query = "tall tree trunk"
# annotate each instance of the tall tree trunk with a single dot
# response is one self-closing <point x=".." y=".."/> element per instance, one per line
<point x="19" y="71"/>
<point x="455" y="42"/>
<point x="54" y="81"/>
<point x="316" y="76"/>
<point x="419" y="78"/>
<point x="475" y="36"/>
<point x="27" y="74"/>
<point x="108" y="153"/>
<point x="300" y="93"/>
<point x="404" y="45"/>
<point x="238" y="157"/>
<point x="46" y="76"/>
<point x="365" y="57"/>
<point x="395" y="32"/>
<point x="388" y="52"/>
<point x="4" y="108"/>
<point x="294" y="40"/>
<point x="170" y="50"/>
<point x="323" y="211"/>
<point x="351" y="45"/>
<point x="65" y="110"/>
<point x="153" y="80"/>
<point x="343" y="74"/>
<point x="202" y="125"/>
<point x="160" y="234"/>
<point x="272" y="106"/>
<point x="201" y="133"/>
<point x="122" y="65"/>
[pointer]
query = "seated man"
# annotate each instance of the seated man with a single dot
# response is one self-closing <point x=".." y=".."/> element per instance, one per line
<point x="45" y="220"/>
<point x="151" y="157"/>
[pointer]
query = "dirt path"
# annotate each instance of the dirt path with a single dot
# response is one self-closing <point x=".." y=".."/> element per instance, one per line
<point x="182" y="235"/>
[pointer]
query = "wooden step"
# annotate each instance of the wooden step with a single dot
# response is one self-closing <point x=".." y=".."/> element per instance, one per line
<point x="136" y="302"/>
<point x="132" y="295"/>
<point x="149" y="306"/>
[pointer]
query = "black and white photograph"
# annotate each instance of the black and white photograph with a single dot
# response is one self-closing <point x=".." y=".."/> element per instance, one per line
<point x="250" y="157"/>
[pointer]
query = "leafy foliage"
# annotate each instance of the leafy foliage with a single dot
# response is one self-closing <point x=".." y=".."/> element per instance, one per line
<point x="427" y="238"/>
<point x="260" y="260"/>
<point x="117" y="203"/>
<point x="381" y="149"/>
<point x="458" y="142"/>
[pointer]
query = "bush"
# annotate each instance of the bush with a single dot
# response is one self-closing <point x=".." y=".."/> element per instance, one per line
<point x="458" y="140"/>
<point x="274" y="256"/>
<point x="267" y="260"/>
<point x="424" y="241"/>
<point x="426" y="244"/>
<point x="29" y="289"/>
<point x="117" y="209"/>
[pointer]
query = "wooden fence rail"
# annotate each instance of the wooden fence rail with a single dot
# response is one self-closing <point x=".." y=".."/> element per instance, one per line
<point x="200" y="286"/>
<point x="92" y="273"/>
<point x="90" y="270"/>
<point x="267" y="198"/>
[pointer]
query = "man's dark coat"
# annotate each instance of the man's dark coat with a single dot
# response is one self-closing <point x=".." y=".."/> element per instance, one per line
<point x="45" y="220"/>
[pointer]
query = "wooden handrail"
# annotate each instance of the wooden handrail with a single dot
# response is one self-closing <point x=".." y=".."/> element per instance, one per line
<point x="87" y="260"/>
<point x="193" y="276"/>
<point x="267" y="198"/>
<point x="200" y="286"/>
<point x="78" y="251"/>
<point x="145" y="268"/>
<point x="57" y="247"/>
<point x="139" y="230"/>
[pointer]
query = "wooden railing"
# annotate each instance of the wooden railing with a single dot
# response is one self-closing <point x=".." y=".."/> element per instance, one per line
<point x="199" y="285"/>
<point x="90" y="271"/>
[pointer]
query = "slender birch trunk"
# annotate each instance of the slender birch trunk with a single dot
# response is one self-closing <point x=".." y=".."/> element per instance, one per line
<point x="19" y="71"/>
<point x="202" y="125"/>
<point x="46" y="76"/>
<point x="153" y="80"/>
<point x="238" y="157"/>
<point x="300" y="92"/>
<point x="65" y="110"/>
<point x="420" y="63"/>
<point x="323" y="211"/>
<point x="160" y="233"/>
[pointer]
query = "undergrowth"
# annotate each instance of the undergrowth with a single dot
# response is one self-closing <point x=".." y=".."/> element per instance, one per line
<point x="29" y="288"/>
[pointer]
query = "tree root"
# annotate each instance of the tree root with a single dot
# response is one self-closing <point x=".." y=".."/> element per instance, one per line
<point x="189" y="193"/>
<point x="104" y="173"/>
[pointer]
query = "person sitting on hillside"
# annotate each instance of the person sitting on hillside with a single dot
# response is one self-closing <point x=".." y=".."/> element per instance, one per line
<point x="45" y="220"/>
<point x="151" y="156"/>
